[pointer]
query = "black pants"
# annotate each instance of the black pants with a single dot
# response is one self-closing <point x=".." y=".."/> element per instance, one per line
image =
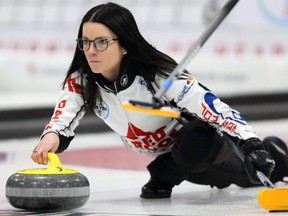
<point x="200" y="156"/>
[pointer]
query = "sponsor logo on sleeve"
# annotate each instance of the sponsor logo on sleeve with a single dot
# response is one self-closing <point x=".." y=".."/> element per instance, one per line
<point x="211" y="114"/>
<point x="186" y="88"/>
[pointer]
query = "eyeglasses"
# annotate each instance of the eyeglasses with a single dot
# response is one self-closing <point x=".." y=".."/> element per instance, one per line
<point x="99" y="44"/>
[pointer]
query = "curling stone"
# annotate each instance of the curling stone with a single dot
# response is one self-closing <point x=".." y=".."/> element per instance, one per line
<point x="54" y="188"/>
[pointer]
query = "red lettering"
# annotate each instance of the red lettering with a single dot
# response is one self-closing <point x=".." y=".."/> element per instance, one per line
<point x="73" y="86"/>
<point x="231" y="126"/>
<point x="62" y="104"/>
<point x="48" y="127"/>
<point x="57" y="114"/>
<point x="151" y="141"/>
<point x="159" y="134"/>
<point x="148" y="141"/>
<point x="204" y="109"/>
<point x="58" y="111"/>
<point x="208" y="115"/>
<point x="164" y="142"/>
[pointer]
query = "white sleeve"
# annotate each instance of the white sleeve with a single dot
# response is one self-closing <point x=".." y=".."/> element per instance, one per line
<point x="205" y="105"/>
<point x="69" y="110"/>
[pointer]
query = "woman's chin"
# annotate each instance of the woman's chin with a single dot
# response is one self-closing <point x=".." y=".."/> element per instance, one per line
<point x="96" y="71"/>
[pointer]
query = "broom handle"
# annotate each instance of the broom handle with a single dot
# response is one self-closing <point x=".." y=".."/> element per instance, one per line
<point x="265" y="180"/>
<point x="194" y="49"/>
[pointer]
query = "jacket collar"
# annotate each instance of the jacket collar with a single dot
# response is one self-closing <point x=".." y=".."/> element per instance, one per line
<point x="125" y="79"/>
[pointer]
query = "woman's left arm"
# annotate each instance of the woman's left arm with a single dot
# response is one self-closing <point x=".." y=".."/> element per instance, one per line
<point x="205" y="105"/>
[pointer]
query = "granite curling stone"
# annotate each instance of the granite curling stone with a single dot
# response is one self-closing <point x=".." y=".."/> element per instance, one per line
<point x="54" y="188"/>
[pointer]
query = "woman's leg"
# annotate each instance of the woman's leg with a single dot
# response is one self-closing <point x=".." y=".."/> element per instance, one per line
<point x="201" y="156"/>
<point x="165" y="174"/>
<point x="197" y="146"/>
<point x="221" y="175"/>
<point x="209" y="159"/>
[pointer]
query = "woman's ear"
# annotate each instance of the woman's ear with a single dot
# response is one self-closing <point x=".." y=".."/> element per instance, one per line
<point x="124" y="51"/>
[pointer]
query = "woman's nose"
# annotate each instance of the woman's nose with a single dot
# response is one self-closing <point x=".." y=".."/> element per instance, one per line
<point x="92" y="49"/>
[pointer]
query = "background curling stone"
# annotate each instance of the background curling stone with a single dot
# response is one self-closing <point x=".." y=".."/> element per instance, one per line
<point x="54" y="188"/>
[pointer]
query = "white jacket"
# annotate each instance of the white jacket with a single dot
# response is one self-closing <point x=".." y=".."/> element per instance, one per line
<point x="149" y="134"/>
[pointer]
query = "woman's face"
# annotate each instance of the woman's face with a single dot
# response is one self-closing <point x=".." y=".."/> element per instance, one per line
<point x="106" y="62"/>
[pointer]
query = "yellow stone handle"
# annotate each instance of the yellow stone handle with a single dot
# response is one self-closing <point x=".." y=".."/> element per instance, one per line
<point x="55" y="167"/>
<point x="55" y="164"/>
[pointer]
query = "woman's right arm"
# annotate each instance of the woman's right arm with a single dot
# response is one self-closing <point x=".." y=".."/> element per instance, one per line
<point x="59" y="132"/>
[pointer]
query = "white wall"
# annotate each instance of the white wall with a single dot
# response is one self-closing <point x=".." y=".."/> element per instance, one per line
<point x="247" y="54"/>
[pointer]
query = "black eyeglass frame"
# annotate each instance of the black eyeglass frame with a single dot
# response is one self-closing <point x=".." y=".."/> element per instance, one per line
<point x="95" y="42"/>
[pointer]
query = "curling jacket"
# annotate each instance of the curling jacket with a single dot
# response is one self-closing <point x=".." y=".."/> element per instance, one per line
<point x="149" y="134"/>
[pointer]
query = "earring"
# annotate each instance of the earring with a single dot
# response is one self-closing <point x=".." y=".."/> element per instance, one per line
<point x="125" y="52"/>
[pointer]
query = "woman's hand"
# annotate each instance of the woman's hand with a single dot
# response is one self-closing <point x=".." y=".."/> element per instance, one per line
<point x="256" y="158"/>
<point x="49" y="143"/>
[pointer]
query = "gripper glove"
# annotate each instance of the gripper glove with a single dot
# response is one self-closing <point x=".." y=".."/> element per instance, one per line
<point x="256" y="158"/>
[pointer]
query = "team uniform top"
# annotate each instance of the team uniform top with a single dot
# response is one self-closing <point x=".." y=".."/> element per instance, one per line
<point x="149" y="134"/>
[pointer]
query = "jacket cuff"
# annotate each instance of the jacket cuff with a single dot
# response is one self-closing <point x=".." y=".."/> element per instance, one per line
<point x="64" y="143"/>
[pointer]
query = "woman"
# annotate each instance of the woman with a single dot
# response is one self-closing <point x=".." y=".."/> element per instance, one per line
<point x="113" y="63"/>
